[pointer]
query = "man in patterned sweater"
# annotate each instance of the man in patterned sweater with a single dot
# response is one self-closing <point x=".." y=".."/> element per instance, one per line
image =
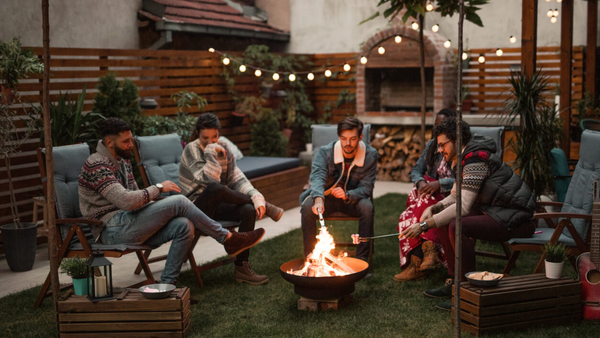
<point x="108" y="192"/>
<point x="496" y="204"/>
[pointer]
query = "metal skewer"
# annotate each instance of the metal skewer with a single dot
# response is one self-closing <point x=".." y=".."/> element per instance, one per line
<point x="366" y="239"/>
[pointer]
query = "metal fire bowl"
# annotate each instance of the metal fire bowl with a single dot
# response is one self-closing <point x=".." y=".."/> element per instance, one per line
<point x="322" y="288"/>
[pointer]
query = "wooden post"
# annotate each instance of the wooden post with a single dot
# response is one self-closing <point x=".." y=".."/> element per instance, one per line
<point x="566" y="66"/>
<point x="592" y="34"/>
<point x="529" y="37"/>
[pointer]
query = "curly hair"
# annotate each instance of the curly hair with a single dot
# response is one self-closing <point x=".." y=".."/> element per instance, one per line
<point x="205" y="121"/>
<point x="113" y="126"/>
<point x="432" y="151"/>
<point x="448" y="128"/>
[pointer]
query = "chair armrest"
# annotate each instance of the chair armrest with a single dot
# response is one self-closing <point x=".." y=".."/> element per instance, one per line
<point x="561" y="215"/>
<point x="549" y="203"/>
<point x="78" y="221"/>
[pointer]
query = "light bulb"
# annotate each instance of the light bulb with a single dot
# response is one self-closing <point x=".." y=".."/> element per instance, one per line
<point x="363" y="60"/>
<point x="381" y="50"/>
<point x="275" y="76"/>
<point x="448" y="43"/>
<point x="258" y="73"/>
<point x="310" y="76"/>
<point x="429" y="7"/>
<point x="242" y="68"/>
<point x="414" y="25"/>
<point x="212" y="50"/>
<point x="226" y="61"/>
<point x="481" y="59"/>
<point x="327" y="73"/>
<point x="465" y="56"/>
<point x="558" y="0"/>
<point x="435" y="28"/>
<point x="347" y="67"/>
<point x="555" y="12"/>
<point x="499" y="52"/>
<point x="553" y="19"/>
<point x="398" y="39"/>
<point x="512" y="39"/>
<point x="548" y="0"/>
<point x="292" y="77"/>
<point x="549" y="13"/>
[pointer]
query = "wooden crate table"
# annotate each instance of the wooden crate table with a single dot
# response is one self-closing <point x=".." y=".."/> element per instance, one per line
<point x="518" y="303"/>
<point x="128" y="315"/>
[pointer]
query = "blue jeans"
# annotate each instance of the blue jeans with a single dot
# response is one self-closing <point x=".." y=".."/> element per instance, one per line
<point x="172" y="218"/>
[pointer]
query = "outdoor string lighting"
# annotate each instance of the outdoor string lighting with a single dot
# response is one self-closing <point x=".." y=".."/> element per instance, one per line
<point x="512" y="39"/>
<point x="363" y="60"/>
<point x="499" y="52"/>
<point x="481" y="58"/>
<point x="448" y="43"/>
<point x="553" y="19"/>
<point x="310" y="76"/>
<point x="381" y="50"/>
<point x="242" y="68"/>
<point x="212" y="50"/>
<point x="414" y="25"/>
<point x="327" y="73"/>
<point x="429" y="6"/>
<point x="435" y="28"/>
<point x="465" y="56"/>
<point x="258" y="73"/>
<point x="226" y="61"/>
<point x="347" y="67"/>
<point x="275" y="76"/>
<point x="292" y="77"/>
<point x="398" y="39"/>
<point x="555" y="12"/>
<point x="549" y="13"/>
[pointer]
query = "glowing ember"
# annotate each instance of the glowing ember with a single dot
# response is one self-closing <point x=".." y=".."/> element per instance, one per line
<point x="320" y="262"/>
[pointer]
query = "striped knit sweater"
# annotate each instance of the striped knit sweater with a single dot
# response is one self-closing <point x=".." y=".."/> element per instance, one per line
<point x="107" y="186"/>
<point x="200" y="168"/>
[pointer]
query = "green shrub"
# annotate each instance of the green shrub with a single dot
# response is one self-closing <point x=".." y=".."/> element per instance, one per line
<point x="267" y="138"/>
<point x="74" y="267"/>
<point x="182" y="124"/>
<point x="555" y="253"/>
<point x="116" y="101"/>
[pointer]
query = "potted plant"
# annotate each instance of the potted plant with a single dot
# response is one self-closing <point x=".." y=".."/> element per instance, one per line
<point x="77" y="269"/>
<point x="19" y="238"/>
<point x="555" y="258"/>
<point x="15" y="64"/>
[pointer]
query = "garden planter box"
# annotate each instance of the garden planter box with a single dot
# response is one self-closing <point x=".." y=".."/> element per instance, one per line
<point x="128" y="315"/>
<point x="519" y="303"/>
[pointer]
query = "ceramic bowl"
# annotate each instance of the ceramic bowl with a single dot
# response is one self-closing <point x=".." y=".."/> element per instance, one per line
<point x="165" y="290"/>
<point x="479" y="282"/>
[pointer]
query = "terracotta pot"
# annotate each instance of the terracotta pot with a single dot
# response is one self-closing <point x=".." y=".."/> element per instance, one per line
<point x="287" y="132"/>
<point x="466" y="106"/>
<point x="7" y="95"/>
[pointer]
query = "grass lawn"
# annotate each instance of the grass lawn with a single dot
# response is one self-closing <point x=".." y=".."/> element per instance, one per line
<point x="381" y="307"/>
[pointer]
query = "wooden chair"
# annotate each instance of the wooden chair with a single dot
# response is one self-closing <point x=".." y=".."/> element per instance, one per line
<point x="72" y="230"/>
<point x="573" y="228"/>
<point x="158" y="159"/>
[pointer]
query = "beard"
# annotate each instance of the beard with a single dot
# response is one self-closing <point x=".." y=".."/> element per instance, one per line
<point x="123" y="153"/>
<point x="349" y="149"/>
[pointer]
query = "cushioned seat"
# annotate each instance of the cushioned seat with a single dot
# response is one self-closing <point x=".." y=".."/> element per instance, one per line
<point x="253" y="166"/>
<point x="161" y="157"/>
<point x="544" y="238"/>
<point x="495" y="133"/>
<point x="322" y="134"/>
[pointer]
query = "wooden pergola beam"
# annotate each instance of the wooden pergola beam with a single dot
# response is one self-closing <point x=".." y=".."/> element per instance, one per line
<point x="529" y="36"/>
<point x="566" y="63"/>
<point x="592" y="35"/>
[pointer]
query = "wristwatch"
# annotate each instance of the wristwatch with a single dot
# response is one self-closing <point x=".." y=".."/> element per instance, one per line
<point x="424" y="227"/>
<point x="159" y="186"/>
<point x="347" y="200"/>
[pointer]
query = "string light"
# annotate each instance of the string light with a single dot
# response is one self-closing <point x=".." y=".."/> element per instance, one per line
<point x="435" y="28"/>
<point x="481" y="58"/>
<point x="327" y="73"/>
<point x="549" y="13"/>
<point x="310" y="76"/>
<point x="465" y="56"/>
<point x="512" y="39"/>
<point x="499" y="52"/>
<point x="226" y="61"/>
<point x="258" y="73"/>
<point x="553" y="19"/>
<point x="347" y="67"/>
<point x="414" y="25"/>
<point x="448" y="43"/>
<point x="548" y="0"/>
<point x="558" y="0"/>
<point x="555" y="12"/>
<point x="429" y="7"/>
<point x="275" y="76"/>
<point x="398" y="39"/>
<point x="292" y="77"/>
<point x="212" y="50"/>
<point x="363" y="60"/>
<point x="381" y="50"/>
<point x="242" y="68"/>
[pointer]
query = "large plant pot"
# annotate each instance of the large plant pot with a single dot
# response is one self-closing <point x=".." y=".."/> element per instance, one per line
<point x="8" y="95"/>
<point x="553" y="270"/>
<point x="19" y="245"/>
<point x="80" y="285"/>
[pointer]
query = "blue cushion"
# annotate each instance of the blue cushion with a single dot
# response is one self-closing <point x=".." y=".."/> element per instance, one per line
<point x="160" y="155"/>
<point x="255" y="166"/>
<point x="323" y="134"/>
<point x="544" y="238"/>
<point x="495" y="133"/>
<point x="67" y="164"/>
<point x="561" y="173"/>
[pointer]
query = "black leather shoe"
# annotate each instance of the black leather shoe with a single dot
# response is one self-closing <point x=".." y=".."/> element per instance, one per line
<point x="441" y="292"/>
<point x="445" y="305"/>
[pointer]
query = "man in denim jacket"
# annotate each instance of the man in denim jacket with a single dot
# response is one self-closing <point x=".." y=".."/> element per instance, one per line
<point x="342" y="179"/>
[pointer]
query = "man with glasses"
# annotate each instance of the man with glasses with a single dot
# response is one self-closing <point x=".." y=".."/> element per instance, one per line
<point x="496" y="204"/>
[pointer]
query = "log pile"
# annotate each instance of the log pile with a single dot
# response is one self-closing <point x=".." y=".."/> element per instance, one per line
<point x="399" y="148"/>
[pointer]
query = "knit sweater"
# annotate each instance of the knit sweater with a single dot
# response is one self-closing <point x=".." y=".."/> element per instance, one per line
<point x="199" y="168"/>
<point x="107" y="186"/>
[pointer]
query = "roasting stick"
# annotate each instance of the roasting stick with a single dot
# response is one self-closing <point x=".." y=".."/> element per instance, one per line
<point x="356" y="239"/>
<point x="321" y="220"/>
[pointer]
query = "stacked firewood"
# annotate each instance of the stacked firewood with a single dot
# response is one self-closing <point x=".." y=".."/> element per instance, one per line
<point x="399" y="148"/>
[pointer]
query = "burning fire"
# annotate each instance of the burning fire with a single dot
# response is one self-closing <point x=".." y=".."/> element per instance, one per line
<point x="320" y="262"/>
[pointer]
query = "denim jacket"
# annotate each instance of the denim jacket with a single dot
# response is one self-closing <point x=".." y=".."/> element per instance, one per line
<point x="328" y="169"/>
<point x="420" y="169"/>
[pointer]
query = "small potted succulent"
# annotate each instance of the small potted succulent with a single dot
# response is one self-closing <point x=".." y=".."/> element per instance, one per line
<point x="555" y="258"/>
<point x="77" y="269"/>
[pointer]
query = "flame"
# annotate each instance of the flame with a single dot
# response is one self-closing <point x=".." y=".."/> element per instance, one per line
<point x="319" y="263"/>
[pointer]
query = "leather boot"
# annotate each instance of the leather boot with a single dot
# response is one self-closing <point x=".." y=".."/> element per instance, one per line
<point x="431" y="259"/>
<point x="412" y="272"/>
<point x="245" y="274"/>
<point x="274" y="212"/>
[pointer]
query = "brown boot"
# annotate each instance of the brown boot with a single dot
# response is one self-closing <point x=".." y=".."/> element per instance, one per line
<point x="431" y="259"/>
<point x="240" y="241"/>
<point x="274" y="212"/>
<point x="245" y="274"/>
<point x="412" y="272"/>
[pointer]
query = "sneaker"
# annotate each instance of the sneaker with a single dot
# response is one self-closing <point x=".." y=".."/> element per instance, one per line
<point x="441" y="292"/>
<point x="245" y="274"/>
<point x="445" y="305"/>
<point x="431" y="259"/>
<point x="274" y="212"/>
<point x="412" y="272"/>
<point x="240" y="241"/>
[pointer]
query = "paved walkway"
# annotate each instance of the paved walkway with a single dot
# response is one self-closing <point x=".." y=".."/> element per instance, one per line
<point x="206" y="250"/>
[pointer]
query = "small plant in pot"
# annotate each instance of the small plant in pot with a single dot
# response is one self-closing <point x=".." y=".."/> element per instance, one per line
<point x="15" y="64"/>
<point x="555" y="258"/>
<point x="77" y="269"/>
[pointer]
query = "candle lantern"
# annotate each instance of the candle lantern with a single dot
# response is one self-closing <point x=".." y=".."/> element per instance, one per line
<point x="99" y="277"/>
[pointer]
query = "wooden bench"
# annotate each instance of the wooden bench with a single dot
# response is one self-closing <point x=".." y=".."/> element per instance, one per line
<point x="519" y="303"/>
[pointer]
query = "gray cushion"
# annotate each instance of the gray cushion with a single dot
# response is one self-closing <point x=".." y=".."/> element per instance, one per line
<point x="495" y="133"/>
<point x="543" y="238"/>
<point x="579" y="195"/>
<point x="160" y="155"/>
<point x="253" y="166"/>
<point x="323" y="134"/>
<point x="67" y="163"/>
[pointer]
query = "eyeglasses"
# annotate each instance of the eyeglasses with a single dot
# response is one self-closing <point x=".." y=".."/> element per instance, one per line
<point x="441" y="145"/>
